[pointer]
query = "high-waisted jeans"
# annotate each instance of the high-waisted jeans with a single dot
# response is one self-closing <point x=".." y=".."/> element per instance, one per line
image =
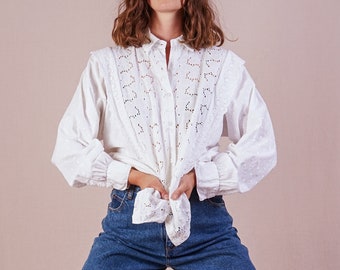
<point x="213" y="243"/>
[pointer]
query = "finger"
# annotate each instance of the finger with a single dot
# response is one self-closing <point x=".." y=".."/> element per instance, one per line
<point x="178" y="192"/>
<point x="165" y="195"/>
<point x="162" y="191"/>
<point x="188" y="193"/>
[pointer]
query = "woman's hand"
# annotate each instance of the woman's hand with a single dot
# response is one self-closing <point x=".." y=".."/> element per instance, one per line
<point x="144" y="180"/>
<point x="186" y="185"/>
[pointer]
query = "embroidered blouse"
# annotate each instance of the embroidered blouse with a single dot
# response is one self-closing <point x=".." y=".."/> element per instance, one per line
<point x="132" y="109"/>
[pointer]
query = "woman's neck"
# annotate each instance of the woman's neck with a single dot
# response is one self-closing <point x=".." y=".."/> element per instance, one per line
<point x="166" y="26"/>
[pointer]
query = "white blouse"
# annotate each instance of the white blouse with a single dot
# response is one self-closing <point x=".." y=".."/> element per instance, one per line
<point x="131" y="109"/>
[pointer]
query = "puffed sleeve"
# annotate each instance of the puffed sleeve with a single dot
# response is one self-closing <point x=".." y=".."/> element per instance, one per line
<point x="252" y="153"/>
<point x="79" y="153"/>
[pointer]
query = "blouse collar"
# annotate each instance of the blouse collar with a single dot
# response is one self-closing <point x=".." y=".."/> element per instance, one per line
<point x="155" y="41"/>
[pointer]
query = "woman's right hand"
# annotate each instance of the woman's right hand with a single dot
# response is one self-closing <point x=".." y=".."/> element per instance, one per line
<point x="144" y="180"/>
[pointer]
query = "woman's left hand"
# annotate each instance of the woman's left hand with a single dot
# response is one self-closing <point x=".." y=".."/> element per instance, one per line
<point x="186" y="185"/>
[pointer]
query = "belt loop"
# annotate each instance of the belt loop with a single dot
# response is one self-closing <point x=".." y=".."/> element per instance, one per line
<point x="130" y="192"/>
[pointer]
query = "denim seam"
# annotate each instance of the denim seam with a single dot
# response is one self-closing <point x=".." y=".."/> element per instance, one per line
<point x="121" y="200"/>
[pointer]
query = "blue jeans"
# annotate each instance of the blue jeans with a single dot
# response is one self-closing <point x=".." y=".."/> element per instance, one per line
<point x="213" y="243"/>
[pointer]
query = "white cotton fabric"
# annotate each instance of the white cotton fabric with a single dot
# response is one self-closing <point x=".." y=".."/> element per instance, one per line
<point x="131" y="109"/>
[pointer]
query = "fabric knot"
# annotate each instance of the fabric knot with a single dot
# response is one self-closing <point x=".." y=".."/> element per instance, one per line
<point x="149" y="207"/>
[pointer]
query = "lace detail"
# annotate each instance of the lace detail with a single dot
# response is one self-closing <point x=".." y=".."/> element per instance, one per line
<point x="162" y="119"/>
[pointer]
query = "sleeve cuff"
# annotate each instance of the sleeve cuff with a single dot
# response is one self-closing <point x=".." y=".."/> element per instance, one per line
<point x="228" y="178"/>
<point x="207" y="180"/>
<point x="118" y="174"/>
<point x="217" y="177"/>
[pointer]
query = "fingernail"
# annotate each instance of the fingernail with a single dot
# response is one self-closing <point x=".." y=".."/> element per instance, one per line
<point x="166" y="197"/>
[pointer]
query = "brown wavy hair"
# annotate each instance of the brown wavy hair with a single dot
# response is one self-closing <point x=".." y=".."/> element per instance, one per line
<point x="199" y="27"/>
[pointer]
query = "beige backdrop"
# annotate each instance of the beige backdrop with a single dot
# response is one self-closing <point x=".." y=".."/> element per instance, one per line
<point x="289" y="221"/>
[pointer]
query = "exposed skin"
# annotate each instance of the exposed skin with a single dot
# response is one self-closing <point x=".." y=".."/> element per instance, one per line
<point x="166" y="20"/>
<point x="166" y="24"/>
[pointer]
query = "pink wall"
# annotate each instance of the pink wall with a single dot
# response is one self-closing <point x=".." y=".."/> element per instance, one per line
<point x="289" y="221"/>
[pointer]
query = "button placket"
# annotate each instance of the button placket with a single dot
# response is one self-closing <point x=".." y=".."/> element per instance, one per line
<point x="168" y="103"/>
<point x="171" y="106"/>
